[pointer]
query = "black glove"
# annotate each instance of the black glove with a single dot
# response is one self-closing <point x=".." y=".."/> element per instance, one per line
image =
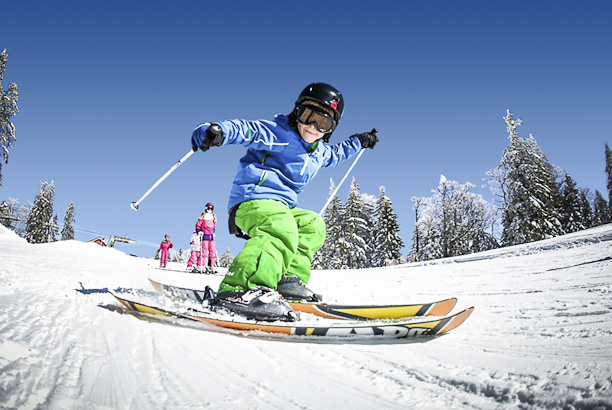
<point x="367" y="139"/>
<point x="213" y="136"/>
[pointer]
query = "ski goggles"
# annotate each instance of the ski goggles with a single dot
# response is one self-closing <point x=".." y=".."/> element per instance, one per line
<point x="308" y="114"/>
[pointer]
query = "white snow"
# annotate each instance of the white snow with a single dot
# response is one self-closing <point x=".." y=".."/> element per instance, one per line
<point x="540" y="337"/>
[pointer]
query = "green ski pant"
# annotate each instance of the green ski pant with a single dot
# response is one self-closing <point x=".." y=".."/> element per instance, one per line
<point x="282" y="244"/>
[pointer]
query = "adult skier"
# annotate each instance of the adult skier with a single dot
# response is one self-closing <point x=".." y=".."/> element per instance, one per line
<point x="205" y="227"/>
<point x="283" y="155"/>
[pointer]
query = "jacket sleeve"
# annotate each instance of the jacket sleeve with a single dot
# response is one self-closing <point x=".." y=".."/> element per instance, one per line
<point x="259" y="135"/>
<point x="337" y="153"/>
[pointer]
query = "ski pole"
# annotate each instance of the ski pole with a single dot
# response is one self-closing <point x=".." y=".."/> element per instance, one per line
<point x="341" y="182"/>
<point x="134" y="205"/>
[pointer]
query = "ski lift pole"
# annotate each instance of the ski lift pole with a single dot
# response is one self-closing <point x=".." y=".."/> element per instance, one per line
<point x="134" y="205"/>
<point x="341" y="182"/>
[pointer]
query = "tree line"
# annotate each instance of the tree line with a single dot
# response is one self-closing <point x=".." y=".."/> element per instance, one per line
<point x="36" y="221"/>
<point x="534" y="200"/>
<point x="361" y="233"/>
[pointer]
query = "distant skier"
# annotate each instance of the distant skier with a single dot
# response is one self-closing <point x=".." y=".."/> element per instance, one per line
<point x="205" y="227"/>
<point x="196" y="253"/>
<point x="283" y="156"/>
<point x="164" y="247"/>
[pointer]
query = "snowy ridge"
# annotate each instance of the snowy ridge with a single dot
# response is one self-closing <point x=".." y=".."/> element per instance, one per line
<point x="540" y="336"/>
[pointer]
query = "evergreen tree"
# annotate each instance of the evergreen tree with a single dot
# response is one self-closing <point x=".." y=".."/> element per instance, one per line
<point x="39" y="226"/>
<point x="601" y="211"/>
<point x="54" y="229"/>
<point x="6" y="215"/>
<point x="525" y="181"/>
<point x="387" y="240"/>
<point x="225" y="260"/>
<point x="571" y="206"/>
<point x="609" y="182"/>
<point x="371" y="217"/>
<point x="332" y="253"/>
<point x="586" y="211"/>
<point x="356" y="229"/>
<point x="68" y="230"/>
<point x="8" y="109"/>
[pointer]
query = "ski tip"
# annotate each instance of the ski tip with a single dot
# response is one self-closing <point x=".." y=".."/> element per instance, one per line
<point x="454" y="321"/>
<point x="442" y="308"/>
<point x="157" y="286"/>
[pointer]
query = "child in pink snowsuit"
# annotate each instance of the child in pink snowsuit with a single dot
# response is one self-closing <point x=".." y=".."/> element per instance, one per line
<point x="164" y="247"/>
<point x="206" y="226"/>
<point x="196" y="251"/>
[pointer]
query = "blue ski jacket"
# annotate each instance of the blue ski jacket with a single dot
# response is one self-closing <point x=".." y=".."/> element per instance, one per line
<point x="279" y="163"/>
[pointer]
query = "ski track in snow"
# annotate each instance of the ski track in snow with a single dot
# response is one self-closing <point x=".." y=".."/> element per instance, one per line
<point x="540" y="336"/>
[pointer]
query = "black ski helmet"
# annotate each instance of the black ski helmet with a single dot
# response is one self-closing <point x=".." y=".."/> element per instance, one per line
<point x="326" y="95"/>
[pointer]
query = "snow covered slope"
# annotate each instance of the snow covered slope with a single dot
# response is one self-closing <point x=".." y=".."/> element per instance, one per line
<point x="540" y="337"/>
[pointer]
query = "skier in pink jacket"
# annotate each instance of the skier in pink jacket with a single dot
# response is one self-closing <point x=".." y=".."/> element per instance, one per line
<point x="206" y="228"/>
<point x="164" y="247"/>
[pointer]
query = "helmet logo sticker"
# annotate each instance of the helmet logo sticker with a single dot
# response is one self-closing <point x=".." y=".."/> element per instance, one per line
<point x="334" y="105"/>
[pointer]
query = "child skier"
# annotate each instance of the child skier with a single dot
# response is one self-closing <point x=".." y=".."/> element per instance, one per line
<point x="283" y="155"/>
<point x="205" y="227"/>
<point x="196" y="253"/>
<point x="164" y="247"/>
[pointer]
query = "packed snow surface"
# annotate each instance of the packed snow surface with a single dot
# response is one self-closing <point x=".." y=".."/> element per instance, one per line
<point x="540" y="336"/>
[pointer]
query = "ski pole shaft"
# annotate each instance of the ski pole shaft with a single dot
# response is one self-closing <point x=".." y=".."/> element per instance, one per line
<point x="134" y="205"/>
<point x="341" y="182"/>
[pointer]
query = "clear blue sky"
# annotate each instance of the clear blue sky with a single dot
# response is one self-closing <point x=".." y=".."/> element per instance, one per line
<point x="111" y="91"/>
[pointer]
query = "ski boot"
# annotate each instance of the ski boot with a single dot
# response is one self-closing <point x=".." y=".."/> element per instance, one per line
<point x="293" y="288"/>
<point x="208" y="298"/>
<point x="258" y="303"/>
